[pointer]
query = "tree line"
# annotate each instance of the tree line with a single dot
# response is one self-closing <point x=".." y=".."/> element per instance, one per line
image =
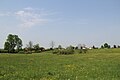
<point x="13" y="44"/>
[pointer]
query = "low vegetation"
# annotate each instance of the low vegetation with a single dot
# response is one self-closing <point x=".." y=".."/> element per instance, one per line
<point x="96" y="64"/>
<point x="64" y="51"/>
<point x="37" y="63"/>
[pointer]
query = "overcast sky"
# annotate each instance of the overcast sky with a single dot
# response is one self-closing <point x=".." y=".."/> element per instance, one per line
<point x="66" y="22"/>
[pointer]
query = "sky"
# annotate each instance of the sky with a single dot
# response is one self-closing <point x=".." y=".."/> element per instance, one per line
<point x="66" y="22"/>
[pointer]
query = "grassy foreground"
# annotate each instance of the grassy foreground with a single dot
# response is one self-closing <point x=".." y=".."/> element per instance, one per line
<point x="94" y="65"/>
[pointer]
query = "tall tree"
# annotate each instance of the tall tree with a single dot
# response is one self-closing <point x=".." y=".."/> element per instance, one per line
<point x="12" y="42"/>
<point x="59" y="47"/>
<point x="52" y="44"/>
<point x="36" y="47"/>
<point x="102" y="46"/>
<point x="106" y="45"/>
<point x="79" y="46"/>
<point x="30" y="46"/>
<point x="114" y="46"/>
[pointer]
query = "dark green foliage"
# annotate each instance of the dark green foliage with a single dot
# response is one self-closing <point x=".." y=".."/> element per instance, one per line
<point x="36" y="48"/>
<point x="76" y="47"/>
<point x="59" y="47"/>
<point x="56" y="51"/>
<point x="3" y="51"/>
<point x="42" y="49"/>
<point x="109" y="46"/>
<point x="83" y="51"/>
<point x="114" y="46"/>
<point x="12" y="42"/>
<point x="6" y="46"/>
<point x="21" y="52"/>
<point x="94" y="47"/>
<point x="106" y="45"/>
<point x="118" y="46"/>
<point x="48" y="49"/>
<point x="70" y="47"/>
<point x="51" y="49"/>
<point x="30" y="46"/>
<point x="102" y="46"/>
<point x="63" y="51"/>
<point x="66" y="51"/>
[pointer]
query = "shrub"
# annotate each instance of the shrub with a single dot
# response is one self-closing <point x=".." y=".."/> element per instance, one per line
<point x="56" y="51"/>
<point x="21" y="52"/>
<point x="35" y="51"/>
<point x="28" y="52"/>
<point x="82" y="50"/>
<point x="3" y="51"/>
<point x="64" y="51"/>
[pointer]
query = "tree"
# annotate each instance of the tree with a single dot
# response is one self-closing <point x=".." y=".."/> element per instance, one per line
<point x="106" y="45"/>
<point x="94" y="47"/>
<point x="79" y="46"/>
<point x="52" y="44"/>
<point x="118" y="46"/>
<point x="114" y="46"/>
<point x="76" y="47"/>
<point x="109" y="46"/>
<point x="70" y="47"/>
<point x="59" y="47"/>
<point x="6" y="46"/>
<point x="30" y="45"/>
<point x="12" y="42"/>
<point x="102" y="46"/>
<point x="36" y="47"/>
<point x="42" y="49"/>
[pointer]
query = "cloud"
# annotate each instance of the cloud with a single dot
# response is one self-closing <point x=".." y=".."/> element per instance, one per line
<point x="30" y="17"/>
<point x="28" y="8"/>
<point x="5" y="14"/>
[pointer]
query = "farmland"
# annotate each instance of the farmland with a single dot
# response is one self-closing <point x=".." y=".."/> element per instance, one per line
<point x="97" y="64"/>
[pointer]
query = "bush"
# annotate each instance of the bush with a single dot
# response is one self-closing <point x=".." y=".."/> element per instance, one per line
<point x="82" y="50"/>
<point x="3" y="51"/>
<point x="64" y="51"/>
<point x="37" y="52"/>
<point x="28" y="52"/>
<point x="56" y="51"/>
<point x="67" y="51"/>
<point x="21" y="52"/>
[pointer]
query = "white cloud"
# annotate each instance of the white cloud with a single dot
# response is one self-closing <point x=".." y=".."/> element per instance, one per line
<point x="30" y="17"/>
<point x="28" y="8"/>
<point x="5" y="14"/>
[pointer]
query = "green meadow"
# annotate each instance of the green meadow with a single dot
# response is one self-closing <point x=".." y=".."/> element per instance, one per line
<point x="96" y="64"/>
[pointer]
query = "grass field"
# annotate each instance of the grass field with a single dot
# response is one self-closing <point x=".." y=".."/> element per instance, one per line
<point x="101" y="64"/>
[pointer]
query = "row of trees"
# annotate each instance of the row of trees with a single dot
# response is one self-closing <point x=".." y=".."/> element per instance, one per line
<point x="14" y="44"/>
<point x="33" y="48"/>
<point x="106" y="45"/>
